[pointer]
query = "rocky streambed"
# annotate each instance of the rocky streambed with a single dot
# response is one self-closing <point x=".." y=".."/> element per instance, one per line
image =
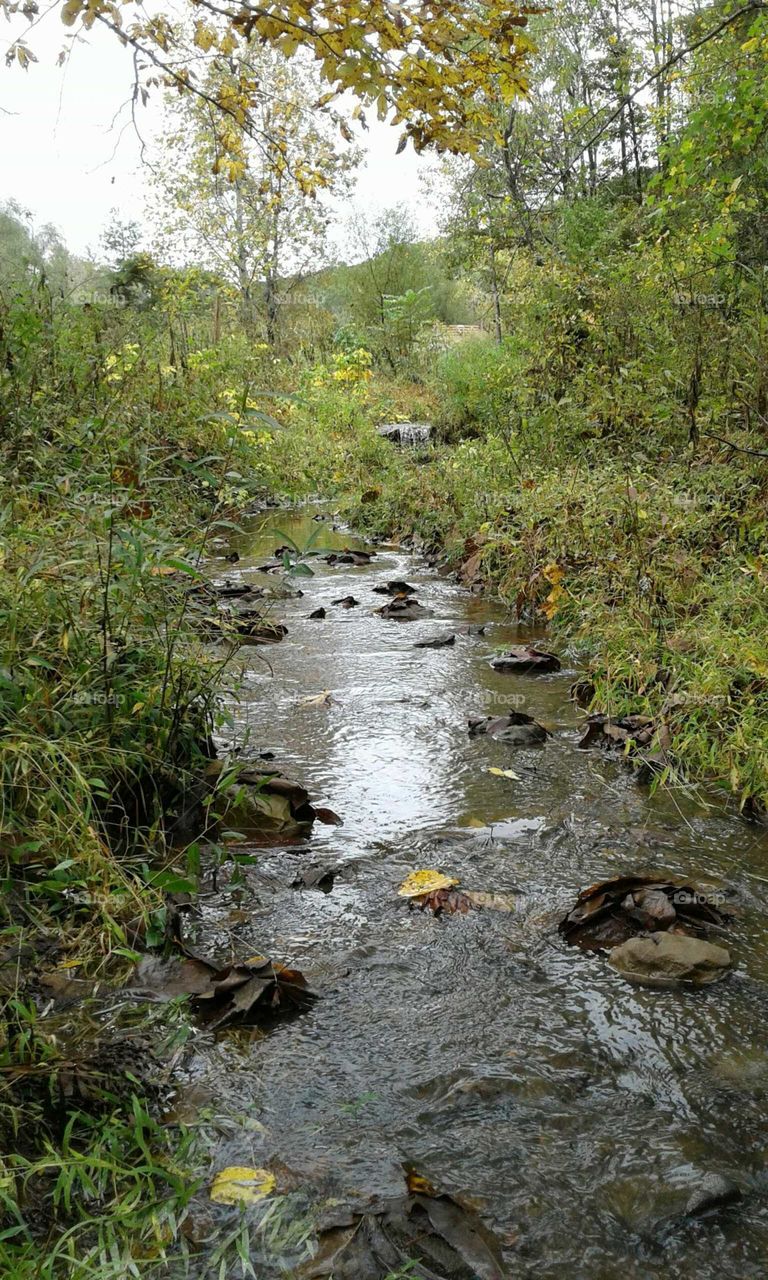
<point x="596" y="1128"/>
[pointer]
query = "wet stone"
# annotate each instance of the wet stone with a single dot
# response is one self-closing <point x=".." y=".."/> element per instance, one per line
<point x="713" y="1192"/>
<point x="666" y="959"/>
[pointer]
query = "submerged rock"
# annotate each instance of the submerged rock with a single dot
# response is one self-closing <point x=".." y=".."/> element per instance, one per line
<point x="713" y="1192"/>
<point x="346" y="602"/>
<point x="318" y="614"/>
<point x="515" y="727"/>
<point x="526" y="660"/>
<point x="436" y="642"/>
<point x="666" y="959"/>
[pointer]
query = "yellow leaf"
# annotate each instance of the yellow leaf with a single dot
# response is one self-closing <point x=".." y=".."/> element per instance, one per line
<point x="419" y="882"/>
<point x="553" y="573"/>
<point x="505" y="773"/>
<point x="241" y="1185"/>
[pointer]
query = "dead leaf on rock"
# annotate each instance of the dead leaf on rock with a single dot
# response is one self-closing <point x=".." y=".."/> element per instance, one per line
<point x="611" y="912"/>
<point x="526" y="660"/>
<point x="434" y="1235"/>
<point x="243" y="992"/>
<point x="449" y="902"/>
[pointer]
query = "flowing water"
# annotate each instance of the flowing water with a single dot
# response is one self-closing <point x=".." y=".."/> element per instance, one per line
<point x="574" y="1110"/>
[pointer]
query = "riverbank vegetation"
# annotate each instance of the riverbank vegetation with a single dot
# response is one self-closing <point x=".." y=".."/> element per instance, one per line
<point x="586" y="332"/>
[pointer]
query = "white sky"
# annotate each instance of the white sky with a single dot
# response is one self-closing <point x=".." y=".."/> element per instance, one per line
<point x="69" y="152"/>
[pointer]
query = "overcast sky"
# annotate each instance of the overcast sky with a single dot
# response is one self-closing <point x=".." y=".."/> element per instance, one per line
<point x="70" y="153"/>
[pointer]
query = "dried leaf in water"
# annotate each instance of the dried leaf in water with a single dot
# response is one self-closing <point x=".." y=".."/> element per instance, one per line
<point x="505" y="773"/>
<point x="422" y="882"/>
<point x="448" y="902"/>
<point x="323" y="699"/>
<point x="329" y="818"/>
<point x="242" y="1185"/>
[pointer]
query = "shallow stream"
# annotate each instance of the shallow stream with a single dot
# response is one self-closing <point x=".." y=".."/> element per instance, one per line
<point x="575" y="1111"/>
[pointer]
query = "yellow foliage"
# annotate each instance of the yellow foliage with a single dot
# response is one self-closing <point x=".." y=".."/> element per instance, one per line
<point x="419" y="882"/>
<point x="242" y="1185"/>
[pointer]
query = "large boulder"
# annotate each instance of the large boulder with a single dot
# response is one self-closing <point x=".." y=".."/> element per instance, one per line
<point x="667" y="959"/>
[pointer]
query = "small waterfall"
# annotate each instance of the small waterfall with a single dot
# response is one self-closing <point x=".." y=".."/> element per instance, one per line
<point x="407" y="434"/>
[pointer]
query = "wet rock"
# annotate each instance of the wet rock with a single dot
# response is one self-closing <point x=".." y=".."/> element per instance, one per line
<point x="265" y="804"/>
<point x="713" y="1192"/>
<point x="226" y="590"/>
<point x="346" y="602"/>
<point x="315" y="877"/>
<point x="526" y="660"/>
<point x="318" y="613"/>
<point x="252" y="628"/>
<point x="472" y="629"/>
<point x="666" y="959"/>
<point x="515" y="727"/>
<point x="404" y="609"/>
<point x="396" y="588"/>
<point x="436" y="642"/>
<point x="349" y="557"/>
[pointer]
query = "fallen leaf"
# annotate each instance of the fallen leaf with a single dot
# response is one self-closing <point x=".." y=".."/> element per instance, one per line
<point x="323" y="699"/>
<point x="241" y="1185"/>
<point x="419" y="883"/>
<point x="505" y="773"/>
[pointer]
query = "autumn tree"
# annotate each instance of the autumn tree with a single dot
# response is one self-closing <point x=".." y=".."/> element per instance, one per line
<point x="255" y="213"/>
<point x="425" y="67"/>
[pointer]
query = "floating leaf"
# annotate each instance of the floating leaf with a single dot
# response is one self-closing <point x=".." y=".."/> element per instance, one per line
<point x="323" y="699"/>
<point x="422" y="882"/>
<point x="505" y="773"/>
<point x="241" y="1185"/>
